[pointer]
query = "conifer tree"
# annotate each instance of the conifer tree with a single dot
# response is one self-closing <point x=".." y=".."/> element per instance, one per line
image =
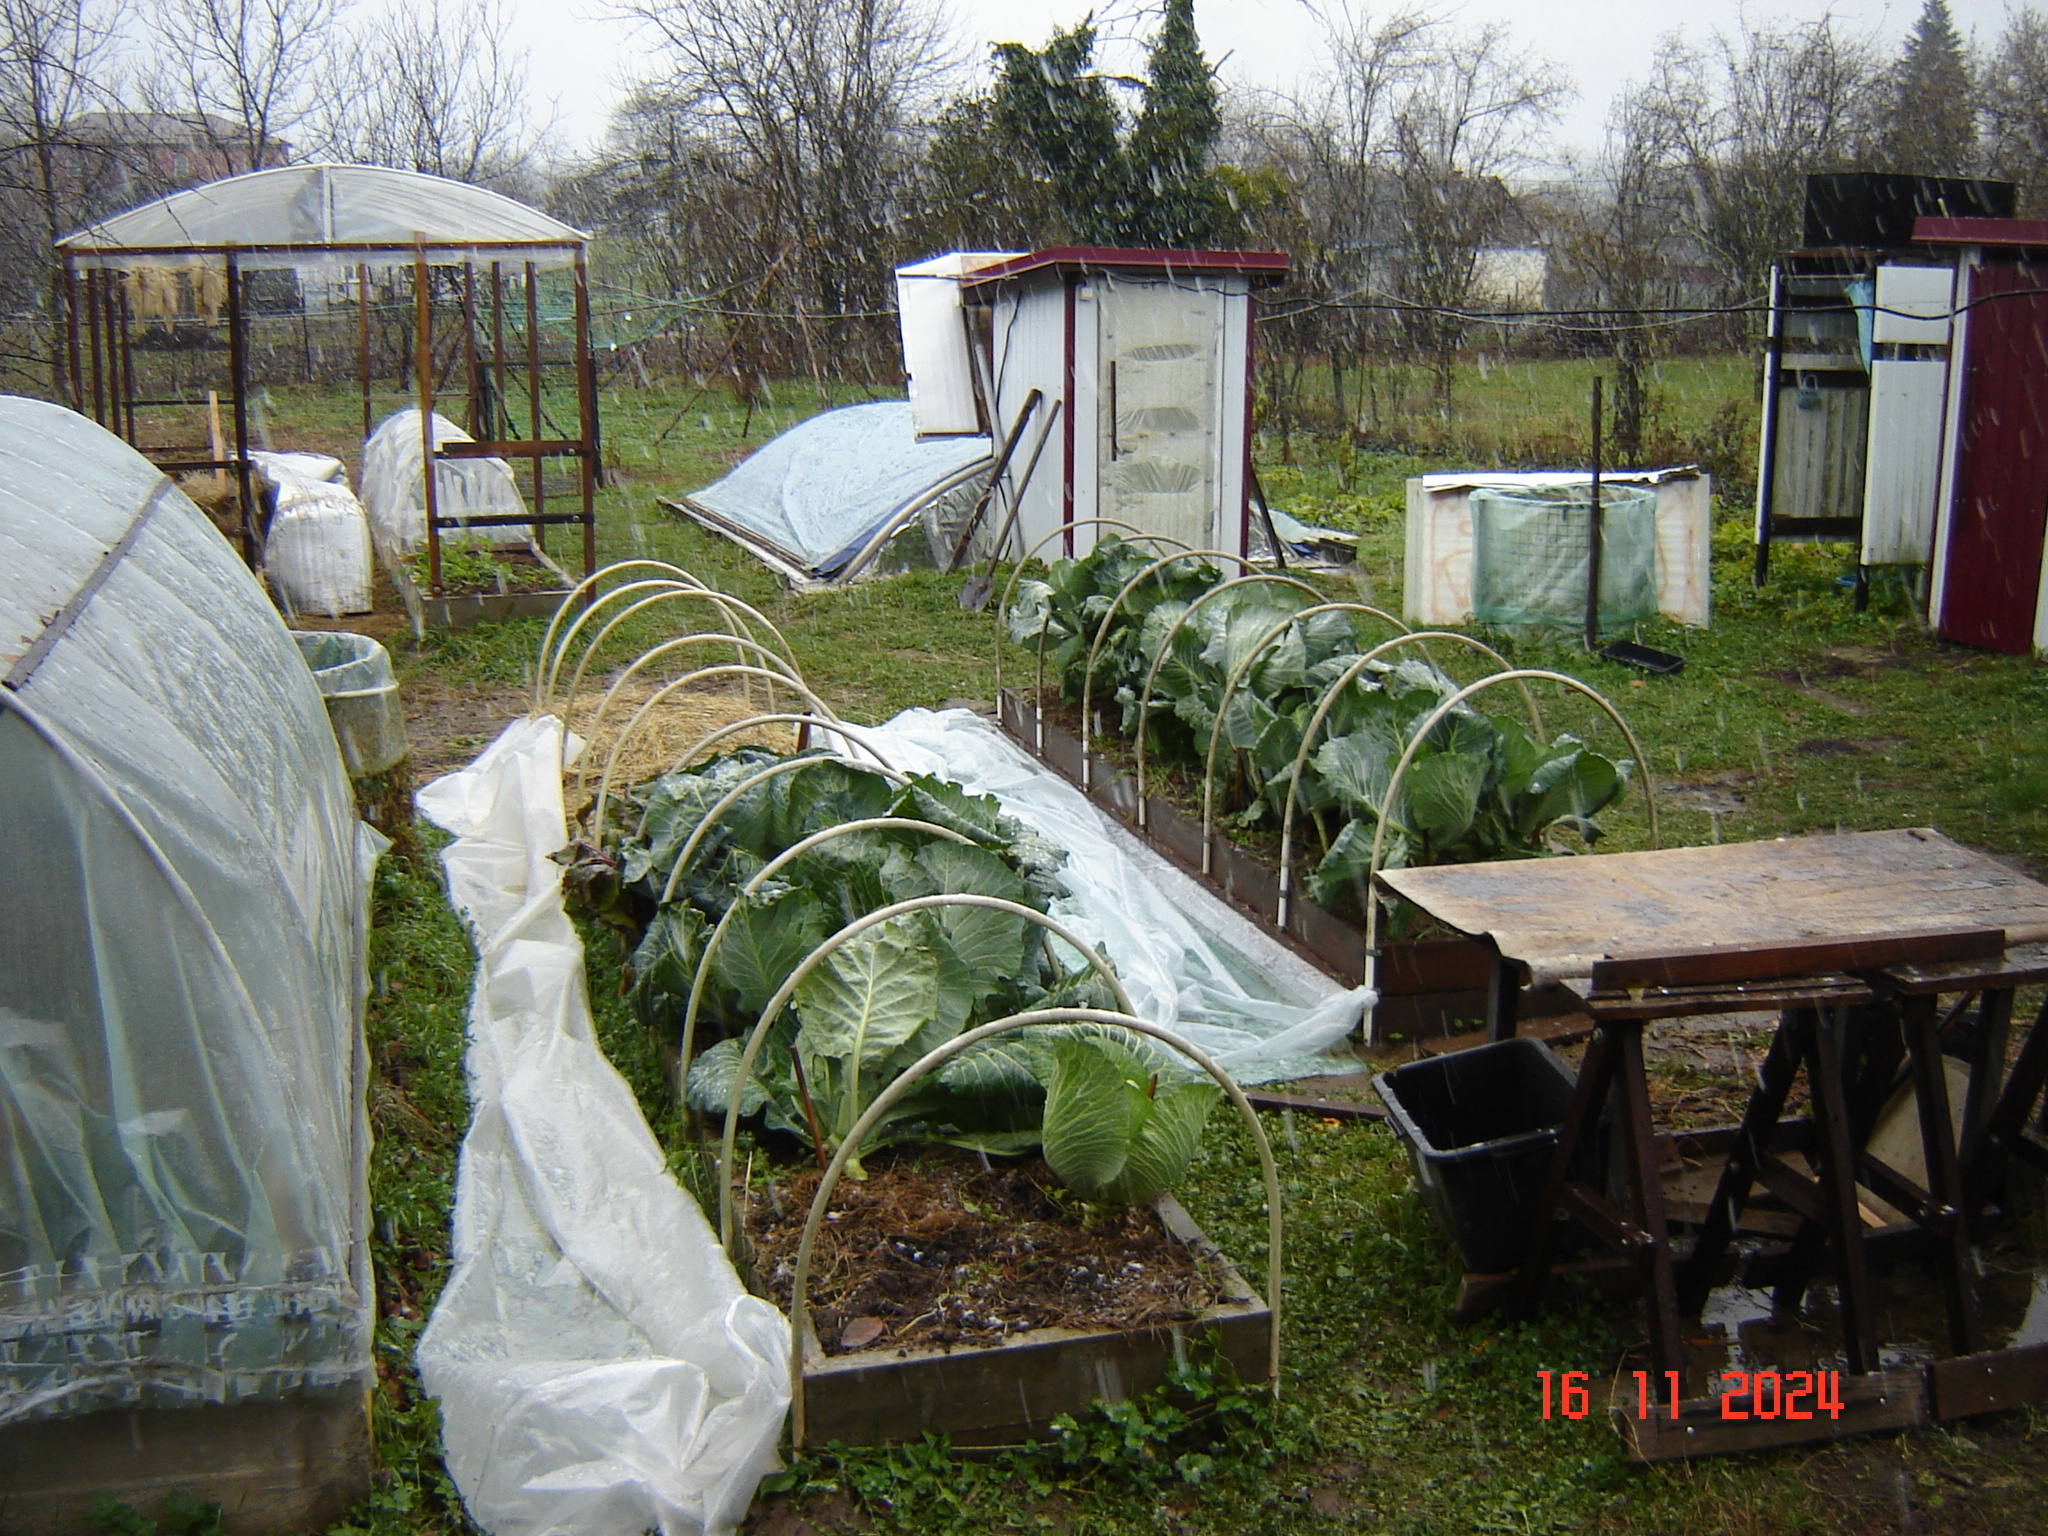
<point x="1148" y="184"/>
<point x="1932" y="125"/>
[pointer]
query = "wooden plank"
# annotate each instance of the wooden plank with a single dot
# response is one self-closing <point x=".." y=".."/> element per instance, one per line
<point x="1988" y="1382"/>
<point x="1561" y="917"/>
<point x="2023" y="965"/>
<point x="1812" y="957"/>
<point x="1882" y="1400"/>
<point x="283" y="1464"/>
<point x="1303" y="1104"/>
<point x="1729" y="997"/>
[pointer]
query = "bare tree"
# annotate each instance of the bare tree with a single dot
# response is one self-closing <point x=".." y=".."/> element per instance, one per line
<point x="450" y="98"/>
<point x="1613" y="241"/>
<point x="54" y="60"/>
<point x="2016" y="107"/>
<point x="1746" y="117"/>
<point x="248" y="73"/>
<point x="1332" y="144"/>
<point x="799" y="116"/>
<point x="1471" y="120"/>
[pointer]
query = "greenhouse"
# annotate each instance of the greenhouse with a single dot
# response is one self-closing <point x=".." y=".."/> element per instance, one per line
<point x="184" y="1290"/>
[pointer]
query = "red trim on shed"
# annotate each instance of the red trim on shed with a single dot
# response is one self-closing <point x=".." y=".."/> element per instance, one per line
<point x="2033" y="232"/>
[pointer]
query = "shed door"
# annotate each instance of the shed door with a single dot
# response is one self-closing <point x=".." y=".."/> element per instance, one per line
<point x="2001" y="505"/>
<point x="1160" y="345"/>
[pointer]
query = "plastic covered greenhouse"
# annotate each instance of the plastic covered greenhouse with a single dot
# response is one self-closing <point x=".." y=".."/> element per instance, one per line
<point x="184" y="1291"/>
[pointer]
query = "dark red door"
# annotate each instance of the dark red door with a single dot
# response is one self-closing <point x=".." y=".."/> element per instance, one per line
<point x="2001" y="506"/>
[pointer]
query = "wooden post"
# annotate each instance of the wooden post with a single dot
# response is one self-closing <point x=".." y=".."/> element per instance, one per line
<point x="363" y="337"/>
<point x="77" y="380"/>
<point x="501" y="419"/>
<point x="93" y="277"/>
<point x="238" y="386"/>
<point x="586" y="403"/>
<point x="478" y="427"/>
<point x="423" y="384"/>
<point x="540" y="489"/>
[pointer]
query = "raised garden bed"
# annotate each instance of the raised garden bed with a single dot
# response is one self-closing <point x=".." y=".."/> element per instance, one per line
<point x="533" y="588"/>
<point x="981" y="1303"/>
<point x="1428" y="988"/>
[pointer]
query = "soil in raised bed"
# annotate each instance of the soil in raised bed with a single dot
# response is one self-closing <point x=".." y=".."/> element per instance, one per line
<point x="937" y="1248"/>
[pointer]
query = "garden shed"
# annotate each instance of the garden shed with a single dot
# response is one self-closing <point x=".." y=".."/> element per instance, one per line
<point x="1131" y="367"/>
<point x="185" y="1301"/>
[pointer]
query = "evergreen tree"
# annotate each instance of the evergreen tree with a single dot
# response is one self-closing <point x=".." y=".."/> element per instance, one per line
<point x="1932" y="128"/>
<point x="1146" y="185"/>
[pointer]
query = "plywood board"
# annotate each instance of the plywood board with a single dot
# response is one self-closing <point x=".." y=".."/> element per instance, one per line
<point x="1559" y="916"/>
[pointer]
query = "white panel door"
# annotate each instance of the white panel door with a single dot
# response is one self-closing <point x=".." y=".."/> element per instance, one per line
<point x="1904" y="463"/>
<point x="1159" y="350"/>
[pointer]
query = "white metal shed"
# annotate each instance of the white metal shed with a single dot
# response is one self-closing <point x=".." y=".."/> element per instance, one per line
<point x="1142" y="361"/>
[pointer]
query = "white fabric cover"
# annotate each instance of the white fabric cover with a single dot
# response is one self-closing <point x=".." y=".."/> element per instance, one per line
<point x="394" y="491"/>
<point x="317" y="553"/>
<point x="183" y="900"/>
<point x="1190" y="964"/>
<point x="314" y="205"/>
<point x="600" y="1369"/>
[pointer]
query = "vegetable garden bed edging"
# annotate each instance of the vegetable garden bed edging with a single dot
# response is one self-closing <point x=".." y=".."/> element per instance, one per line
<point x="989" y="1396"/>
<point x="1428" y="988"/>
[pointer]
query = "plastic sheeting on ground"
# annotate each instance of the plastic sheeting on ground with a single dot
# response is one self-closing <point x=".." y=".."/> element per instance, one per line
<point x="394" y="490"/>
<point x="317" y="553"/>
<point x="1189" y="963"/>
<point x="184" y="1202"/>
<point x="600" y="1369"/>
<point x="811" y="501"/>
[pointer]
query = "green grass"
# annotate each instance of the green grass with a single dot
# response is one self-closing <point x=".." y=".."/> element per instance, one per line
<point x="1793" y="714"/>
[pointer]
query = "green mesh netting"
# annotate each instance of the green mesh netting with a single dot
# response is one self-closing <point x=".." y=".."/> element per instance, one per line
<point x="1529" y="554"/>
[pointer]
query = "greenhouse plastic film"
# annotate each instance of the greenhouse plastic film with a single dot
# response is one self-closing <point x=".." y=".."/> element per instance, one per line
<point x="600" y="1369"/>
<point x="183" y="904"/>
<point x="1530" y="550"/>
<point x="394" y="489"/>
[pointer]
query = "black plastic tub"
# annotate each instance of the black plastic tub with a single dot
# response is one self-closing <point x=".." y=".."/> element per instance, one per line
<point x="1480" y="1127"/>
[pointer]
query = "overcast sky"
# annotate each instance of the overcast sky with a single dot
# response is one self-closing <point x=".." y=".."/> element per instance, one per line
<point x="580" y="59"/>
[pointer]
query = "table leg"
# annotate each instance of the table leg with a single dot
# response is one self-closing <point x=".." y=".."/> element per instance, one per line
<point x="1984" y="1166"/>
<point x="1503" y="999"/>
<point x="1943" y="1218"/>
<point x="1987" y="1065"/>
<point x="1838" y="1190"/>
<point x="1752" y="1140"/>
<point x="1646" y="1195"/>
<point x="1595" y="1070"/>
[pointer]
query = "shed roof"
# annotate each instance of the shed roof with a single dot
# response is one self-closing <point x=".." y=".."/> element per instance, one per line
<point x="324" y="210"/>
<point x="1262" y="267"/>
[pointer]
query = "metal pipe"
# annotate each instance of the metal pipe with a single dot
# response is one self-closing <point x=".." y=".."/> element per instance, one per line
<point x="540" y="493"/>
<point x="1593" y="534"/>
<point x="586" y="413"/>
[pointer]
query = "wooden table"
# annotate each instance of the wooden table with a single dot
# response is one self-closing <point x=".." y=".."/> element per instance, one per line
<point x="1831" y="931"/>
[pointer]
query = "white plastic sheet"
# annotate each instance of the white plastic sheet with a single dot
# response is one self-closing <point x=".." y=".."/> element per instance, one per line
<point x="394" y="490"/>
<point x="600" y="1369"/>
<point x="1190" y="964"/>
<point x="317" y="553"/>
